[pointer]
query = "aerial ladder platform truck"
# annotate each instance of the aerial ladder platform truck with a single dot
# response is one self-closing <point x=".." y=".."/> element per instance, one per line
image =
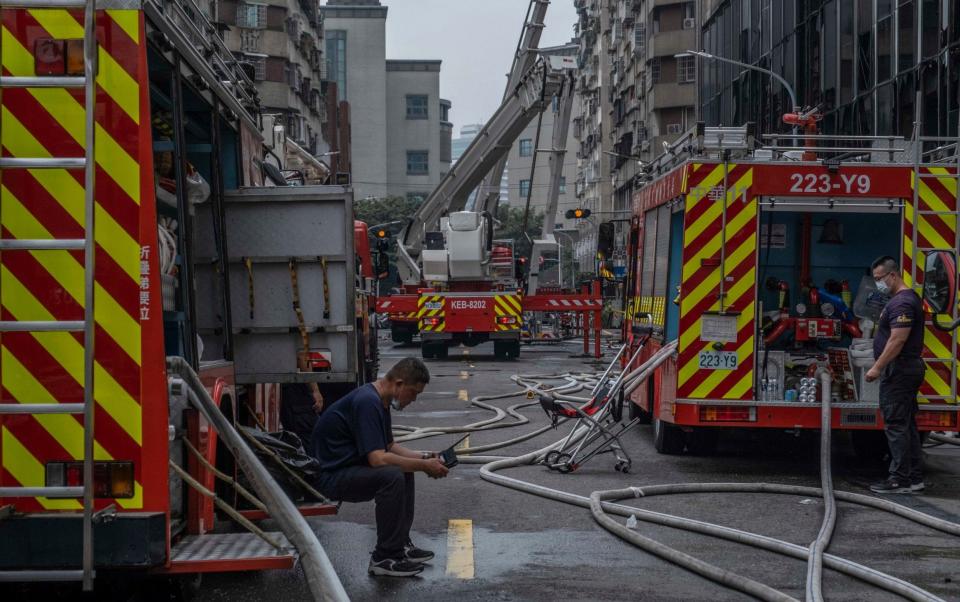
<point x="460" y="285"/>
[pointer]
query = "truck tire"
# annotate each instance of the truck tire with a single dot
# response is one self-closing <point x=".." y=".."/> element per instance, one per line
<point x="635" y="412"/>
<point x="703" y="441"/>
<point x="668" y="438"/>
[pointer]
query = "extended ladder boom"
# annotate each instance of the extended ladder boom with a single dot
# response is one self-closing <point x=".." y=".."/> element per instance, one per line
<point x="558" y="152"/>
<point x="531" y="96"/>
<point x="488" y="196"/>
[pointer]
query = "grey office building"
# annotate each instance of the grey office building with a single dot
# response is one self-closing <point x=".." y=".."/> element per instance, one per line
<point x="861" y="61"/>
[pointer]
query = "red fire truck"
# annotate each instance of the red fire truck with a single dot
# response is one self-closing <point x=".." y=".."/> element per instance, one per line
<point x="756" y="257"/>
<point x="131" y="156"/>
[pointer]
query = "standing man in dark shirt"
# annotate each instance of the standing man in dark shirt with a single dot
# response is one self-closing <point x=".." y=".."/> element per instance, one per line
<point x="353" y="441"/>
<point x="897" y="349"/>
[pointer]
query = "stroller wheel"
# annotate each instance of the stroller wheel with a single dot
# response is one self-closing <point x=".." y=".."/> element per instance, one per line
<point x="551" y="458"/>
<point x="623" y="467"/>
<point x="564" y="463"/>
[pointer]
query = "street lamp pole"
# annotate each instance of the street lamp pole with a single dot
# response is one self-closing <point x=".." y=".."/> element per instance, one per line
<point x="573" y="273"/>
<point x="774" y="75"/>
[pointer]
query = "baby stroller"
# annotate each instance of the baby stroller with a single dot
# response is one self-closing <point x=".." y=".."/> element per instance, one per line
<point x="601" y="417"/>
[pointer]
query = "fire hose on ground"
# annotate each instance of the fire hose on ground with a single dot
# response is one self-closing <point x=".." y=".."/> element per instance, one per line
<point x="600" y="502"/>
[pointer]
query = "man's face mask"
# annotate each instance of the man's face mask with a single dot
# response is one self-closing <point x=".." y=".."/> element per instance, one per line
<point x="882" y="285"/>
<point x="395" y="404"/>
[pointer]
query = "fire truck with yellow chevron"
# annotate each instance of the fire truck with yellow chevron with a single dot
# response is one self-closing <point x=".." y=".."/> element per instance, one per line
<point x="460" y="285"/>
<point x="134" y="344"/>
<point x="751" y="255"/>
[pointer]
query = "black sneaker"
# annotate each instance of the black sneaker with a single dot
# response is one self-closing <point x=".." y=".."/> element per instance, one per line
<point x="890" y="486"/>
<point x="414" y="554"/>
<point x="393" y="567"/>
<point x="917" y="486"/>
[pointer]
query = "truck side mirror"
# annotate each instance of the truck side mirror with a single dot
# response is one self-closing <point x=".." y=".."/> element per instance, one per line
<point x="940" y="281"/>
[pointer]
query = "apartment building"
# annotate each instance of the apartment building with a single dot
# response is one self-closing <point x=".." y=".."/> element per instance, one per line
<point x="283" y="42"/>
<point x="591" y="122"/>
<point x="400" y="131"/>
<point x="523" y="153"/>
<point x="637" y="95"/>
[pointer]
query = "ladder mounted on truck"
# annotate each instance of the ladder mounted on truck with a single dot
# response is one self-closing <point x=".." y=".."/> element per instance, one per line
<point x="87" y="245"/>
<point x="531" y="96"/>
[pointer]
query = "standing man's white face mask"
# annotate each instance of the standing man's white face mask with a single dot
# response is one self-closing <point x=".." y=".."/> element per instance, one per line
<point x="881" y="282"/>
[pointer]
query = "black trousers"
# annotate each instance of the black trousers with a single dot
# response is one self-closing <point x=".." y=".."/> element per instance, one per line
<point x="899" y="386"/>
<point x="390" y="488"/>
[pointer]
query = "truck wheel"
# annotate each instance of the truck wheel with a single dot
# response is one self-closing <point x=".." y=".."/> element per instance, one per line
<point x="441" y="351"/>
<point x="667" y="438"/>
<point x="637" y="413"/>
<point x="703" y="442"/>
<point x="427" y="350"/>
<point x="513" y="350"/>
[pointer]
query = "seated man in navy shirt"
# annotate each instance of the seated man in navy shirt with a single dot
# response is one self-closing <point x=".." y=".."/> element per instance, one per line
<point x="353" y="441"/>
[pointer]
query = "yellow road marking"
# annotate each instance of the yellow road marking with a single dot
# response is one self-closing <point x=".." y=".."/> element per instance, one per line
<point x="460" y="549"/>
<point x="465" y="444"/>
<point x="464" y="375"/>
<point x="462" y="395"/>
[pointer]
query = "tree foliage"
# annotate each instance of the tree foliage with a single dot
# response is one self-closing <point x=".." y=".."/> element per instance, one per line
<point x="511" y="228"/>
<point x="385" y="210"/>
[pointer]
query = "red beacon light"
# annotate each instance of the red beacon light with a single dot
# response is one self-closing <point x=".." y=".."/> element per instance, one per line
<point x="808" y="121"/>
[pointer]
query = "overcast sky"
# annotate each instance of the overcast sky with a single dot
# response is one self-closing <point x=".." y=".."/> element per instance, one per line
<point x="475" y="39"/>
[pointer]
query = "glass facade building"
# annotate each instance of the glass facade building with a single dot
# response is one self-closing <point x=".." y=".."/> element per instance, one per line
<point x="862" y="62"/>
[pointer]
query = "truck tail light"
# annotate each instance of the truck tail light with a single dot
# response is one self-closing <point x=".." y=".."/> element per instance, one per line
<point x="432" y="321"/>
<point x="110" y="479"/>
<point x="506" y="319"/>
<point x="925" y="418"/>
<point x="728" y="414"/>
<point x="58" y="57"/>
<point x="318" y="361"/>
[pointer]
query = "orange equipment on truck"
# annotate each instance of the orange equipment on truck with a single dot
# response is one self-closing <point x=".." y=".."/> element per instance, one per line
<point x="131" y="156"/>
<point x="758" y="265"/>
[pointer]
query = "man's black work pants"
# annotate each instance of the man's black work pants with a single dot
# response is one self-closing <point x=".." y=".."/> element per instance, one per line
<point x="898" y="402"/>
<point x="392" y="490"/>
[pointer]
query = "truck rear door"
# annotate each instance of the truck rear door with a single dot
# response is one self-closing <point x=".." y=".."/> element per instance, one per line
<point x="273" y="236"/>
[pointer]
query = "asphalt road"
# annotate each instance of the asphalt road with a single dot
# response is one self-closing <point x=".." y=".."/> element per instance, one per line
<point x="507" y="545"/>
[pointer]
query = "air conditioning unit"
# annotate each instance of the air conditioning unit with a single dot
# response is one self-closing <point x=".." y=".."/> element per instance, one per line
<point x="689" y="23"/>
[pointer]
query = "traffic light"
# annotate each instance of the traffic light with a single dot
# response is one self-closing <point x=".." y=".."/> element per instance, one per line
<point x="577" y="213"/>
<point x="381" y="233"/>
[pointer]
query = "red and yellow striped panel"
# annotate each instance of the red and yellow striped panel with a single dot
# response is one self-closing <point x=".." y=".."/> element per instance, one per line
<point x="429" y="306"/>
<point x="935" y="220"/>
<point x="49" y="285"/>
<point x="701" y="278"/>
<point x="508" y="305"/>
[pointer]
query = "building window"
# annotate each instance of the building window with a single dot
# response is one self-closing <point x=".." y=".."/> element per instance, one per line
<point x="687" y="67"/>
<point x="526" y="147"/>
<point x="444" y="112"/>
<point x="417" y="106"/>
<point x="640" y="39"/>
<point x="251" y="16"/>
<point x="250" y="40"/>
<point x="418" y="163"/>
<point x="689" y="16"/>
<point x="655" y="71"/>
<point x="337" y="60"/>
<point x="563" y="185"/>
<point x="259" y="62"/>
<point x="524" y="189"/>
<point x="417" y="197"/>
